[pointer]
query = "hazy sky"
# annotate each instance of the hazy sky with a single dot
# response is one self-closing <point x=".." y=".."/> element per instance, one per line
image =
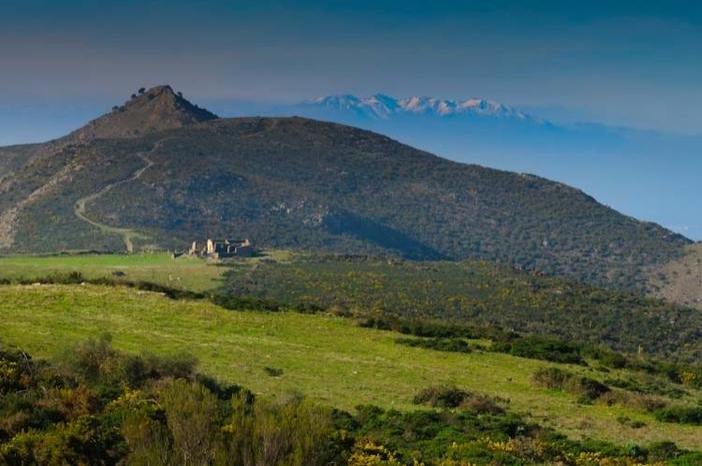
<point x="631" y="63"/>
<point x="634" y="63"/>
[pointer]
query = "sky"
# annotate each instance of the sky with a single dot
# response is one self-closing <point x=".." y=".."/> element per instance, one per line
<point x="625" y="63"/>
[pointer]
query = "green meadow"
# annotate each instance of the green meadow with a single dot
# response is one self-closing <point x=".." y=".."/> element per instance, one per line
<point x="182" y="273"/>
<point x="327" y="358"/>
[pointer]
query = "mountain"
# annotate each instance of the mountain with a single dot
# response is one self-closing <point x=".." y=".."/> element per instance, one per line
<point x="156" y="110"/>
<point x="381" y="106"/>
<point x="646" y="174"/>
<point x="300" y="183"/>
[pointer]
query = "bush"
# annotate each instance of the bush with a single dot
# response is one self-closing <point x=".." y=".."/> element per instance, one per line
<point x="439" y="344"/>
<point x="441" y="396"/>
<point x="273" y="371"/>
<point x="445" y="396"/>
<point x="556" y="379"/>
<point x="547" y="349"/>
<point x="680" y="415"/>
<point x="638" y="401"/>
<point x="246" y="303"/>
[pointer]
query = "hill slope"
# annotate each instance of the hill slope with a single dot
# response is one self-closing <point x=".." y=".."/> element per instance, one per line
<point x="301" y="183"/>
<point x="680" y="281"/>
<point x="646" y="174"/>
<point x="473" y="293"/>
<point x="328" y="358"/>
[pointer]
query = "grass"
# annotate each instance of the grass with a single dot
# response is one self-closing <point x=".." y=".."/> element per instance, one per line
<point x="183" y="272"/>
<point x="477" y="292"/>
<point x="327" y="358"/>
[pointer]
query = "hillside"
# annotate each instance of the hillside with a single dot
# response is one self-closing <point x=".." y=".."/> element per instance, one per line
<point x="13" y="157"/>
<point x="646" y="174"/>
<point x="334" y="361"/>
<point x="293" y="182"/>
<point x="475" y="293"/>
<point x="680" y="281"/>
<point x="154" y="110"/>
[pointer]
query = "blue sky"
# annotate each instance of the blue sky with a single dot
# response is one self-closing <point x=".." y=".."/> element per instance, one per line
<point x="618" y="62"/>
<point x="622" y="63"/>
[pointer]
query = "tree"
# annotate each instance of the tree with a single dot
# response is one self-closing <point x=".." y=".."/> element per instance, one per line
<point x="142" y="90"/>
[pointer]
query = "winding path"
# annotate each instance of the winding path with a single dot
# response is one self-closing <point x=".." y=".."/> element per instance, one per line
<point x="127" y="234"/>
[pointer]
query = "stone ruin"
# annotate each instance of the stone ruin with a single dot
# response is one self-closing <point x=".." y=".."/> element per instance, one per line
<point x="222" y="248"/>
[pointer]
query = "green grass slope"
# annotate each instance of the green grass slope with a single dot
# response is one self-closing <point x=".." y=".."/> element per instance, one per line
<point x="327" y="358"/>
<point x="181" y="273"/>
<point x="478" y="293"/>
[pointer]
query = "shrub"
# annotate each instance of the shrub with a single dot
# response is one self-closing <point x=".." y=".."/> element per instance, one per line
<point x="663" y="451"/>
<point x="557" y="379"/>
<point x="441" y="396"/>
<point x="639" y="401"/>
<point x="453" y="345"/>
<point x="680" y="415"/>
<point x="445" y="396"/>
<point x="547" y="349"/>
<point x="273" y="371"/>
<point x="245" y="303"/>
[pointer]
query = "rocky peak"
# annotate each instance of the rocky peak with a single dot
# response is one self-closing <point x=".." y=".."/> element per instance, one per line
<point x="155" y="109"/>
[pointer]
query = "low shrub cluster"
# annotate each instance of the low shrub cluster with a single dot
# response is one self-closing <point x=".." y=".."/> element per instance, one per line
<point x="680" y="414"/>
<point x="445" y="396"/>
<point x="585" y="388"/>
<point x="547" y="349"/>
<point x="454" y="345"/>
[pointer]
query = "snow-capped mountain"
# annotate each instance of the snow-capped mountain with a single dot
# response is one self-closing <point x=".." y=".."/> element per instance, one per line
<point x="383" y="106"/>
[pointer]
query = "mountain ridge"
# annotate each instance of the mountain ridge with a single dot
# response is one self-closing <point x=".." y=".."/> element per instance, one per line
<point x="383" y="106"/>
<point x="301" y="183"/>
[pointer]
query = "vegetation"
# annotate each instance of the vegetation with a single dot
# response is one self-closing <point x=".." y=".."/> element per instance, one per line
<point x="480" y="298"/>
<point x="96" y="405"/>
<point x="304" y="184"/>
<point x="557" y="379"/>
<point x="680" y="281"/>
<point x="157" y="268"/>
<point x="278" y="353"/>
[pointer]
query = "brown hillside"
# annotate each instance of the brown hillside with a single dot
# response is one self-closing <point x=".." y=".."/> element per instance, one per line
<point x="157" y="109"/>
<point x="680" y="281"/>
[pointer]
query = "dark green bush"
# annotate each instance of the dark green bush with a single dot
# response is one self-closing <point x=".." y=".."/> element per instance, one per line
<point x="245" y="303"/>
<point x="453" y="345"/>
<point x="680" y="415"/>
<point x="547" y="349"/>
<point x="557" y="379"/>
<point x="446" y="396"/>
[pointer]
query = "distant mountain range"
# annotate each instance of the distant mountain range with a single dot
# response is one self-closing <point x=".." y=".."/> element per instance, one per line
<point x="161" y="172"/>
<point x="381" y="106"/>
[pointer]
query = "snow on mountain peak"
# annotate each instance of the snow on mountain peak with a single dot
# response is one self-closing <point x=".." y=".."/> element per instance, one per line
<point x="383" y="106"/>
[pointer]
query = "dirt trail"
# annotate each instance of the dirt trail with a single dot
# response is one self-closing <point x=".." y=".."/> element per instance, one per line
<point x="127" y="234"/>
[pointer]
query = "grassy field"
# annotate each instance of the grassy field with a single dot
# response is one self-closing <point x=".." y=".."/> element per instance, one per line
<point x="183" y="273"/>
<point x="477" y="292"/>
<point x="327" y="358"/>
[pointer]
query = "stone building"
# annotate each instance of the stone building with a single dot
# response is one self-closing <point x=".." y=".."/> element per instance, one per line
<point x="222" y="248"/>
